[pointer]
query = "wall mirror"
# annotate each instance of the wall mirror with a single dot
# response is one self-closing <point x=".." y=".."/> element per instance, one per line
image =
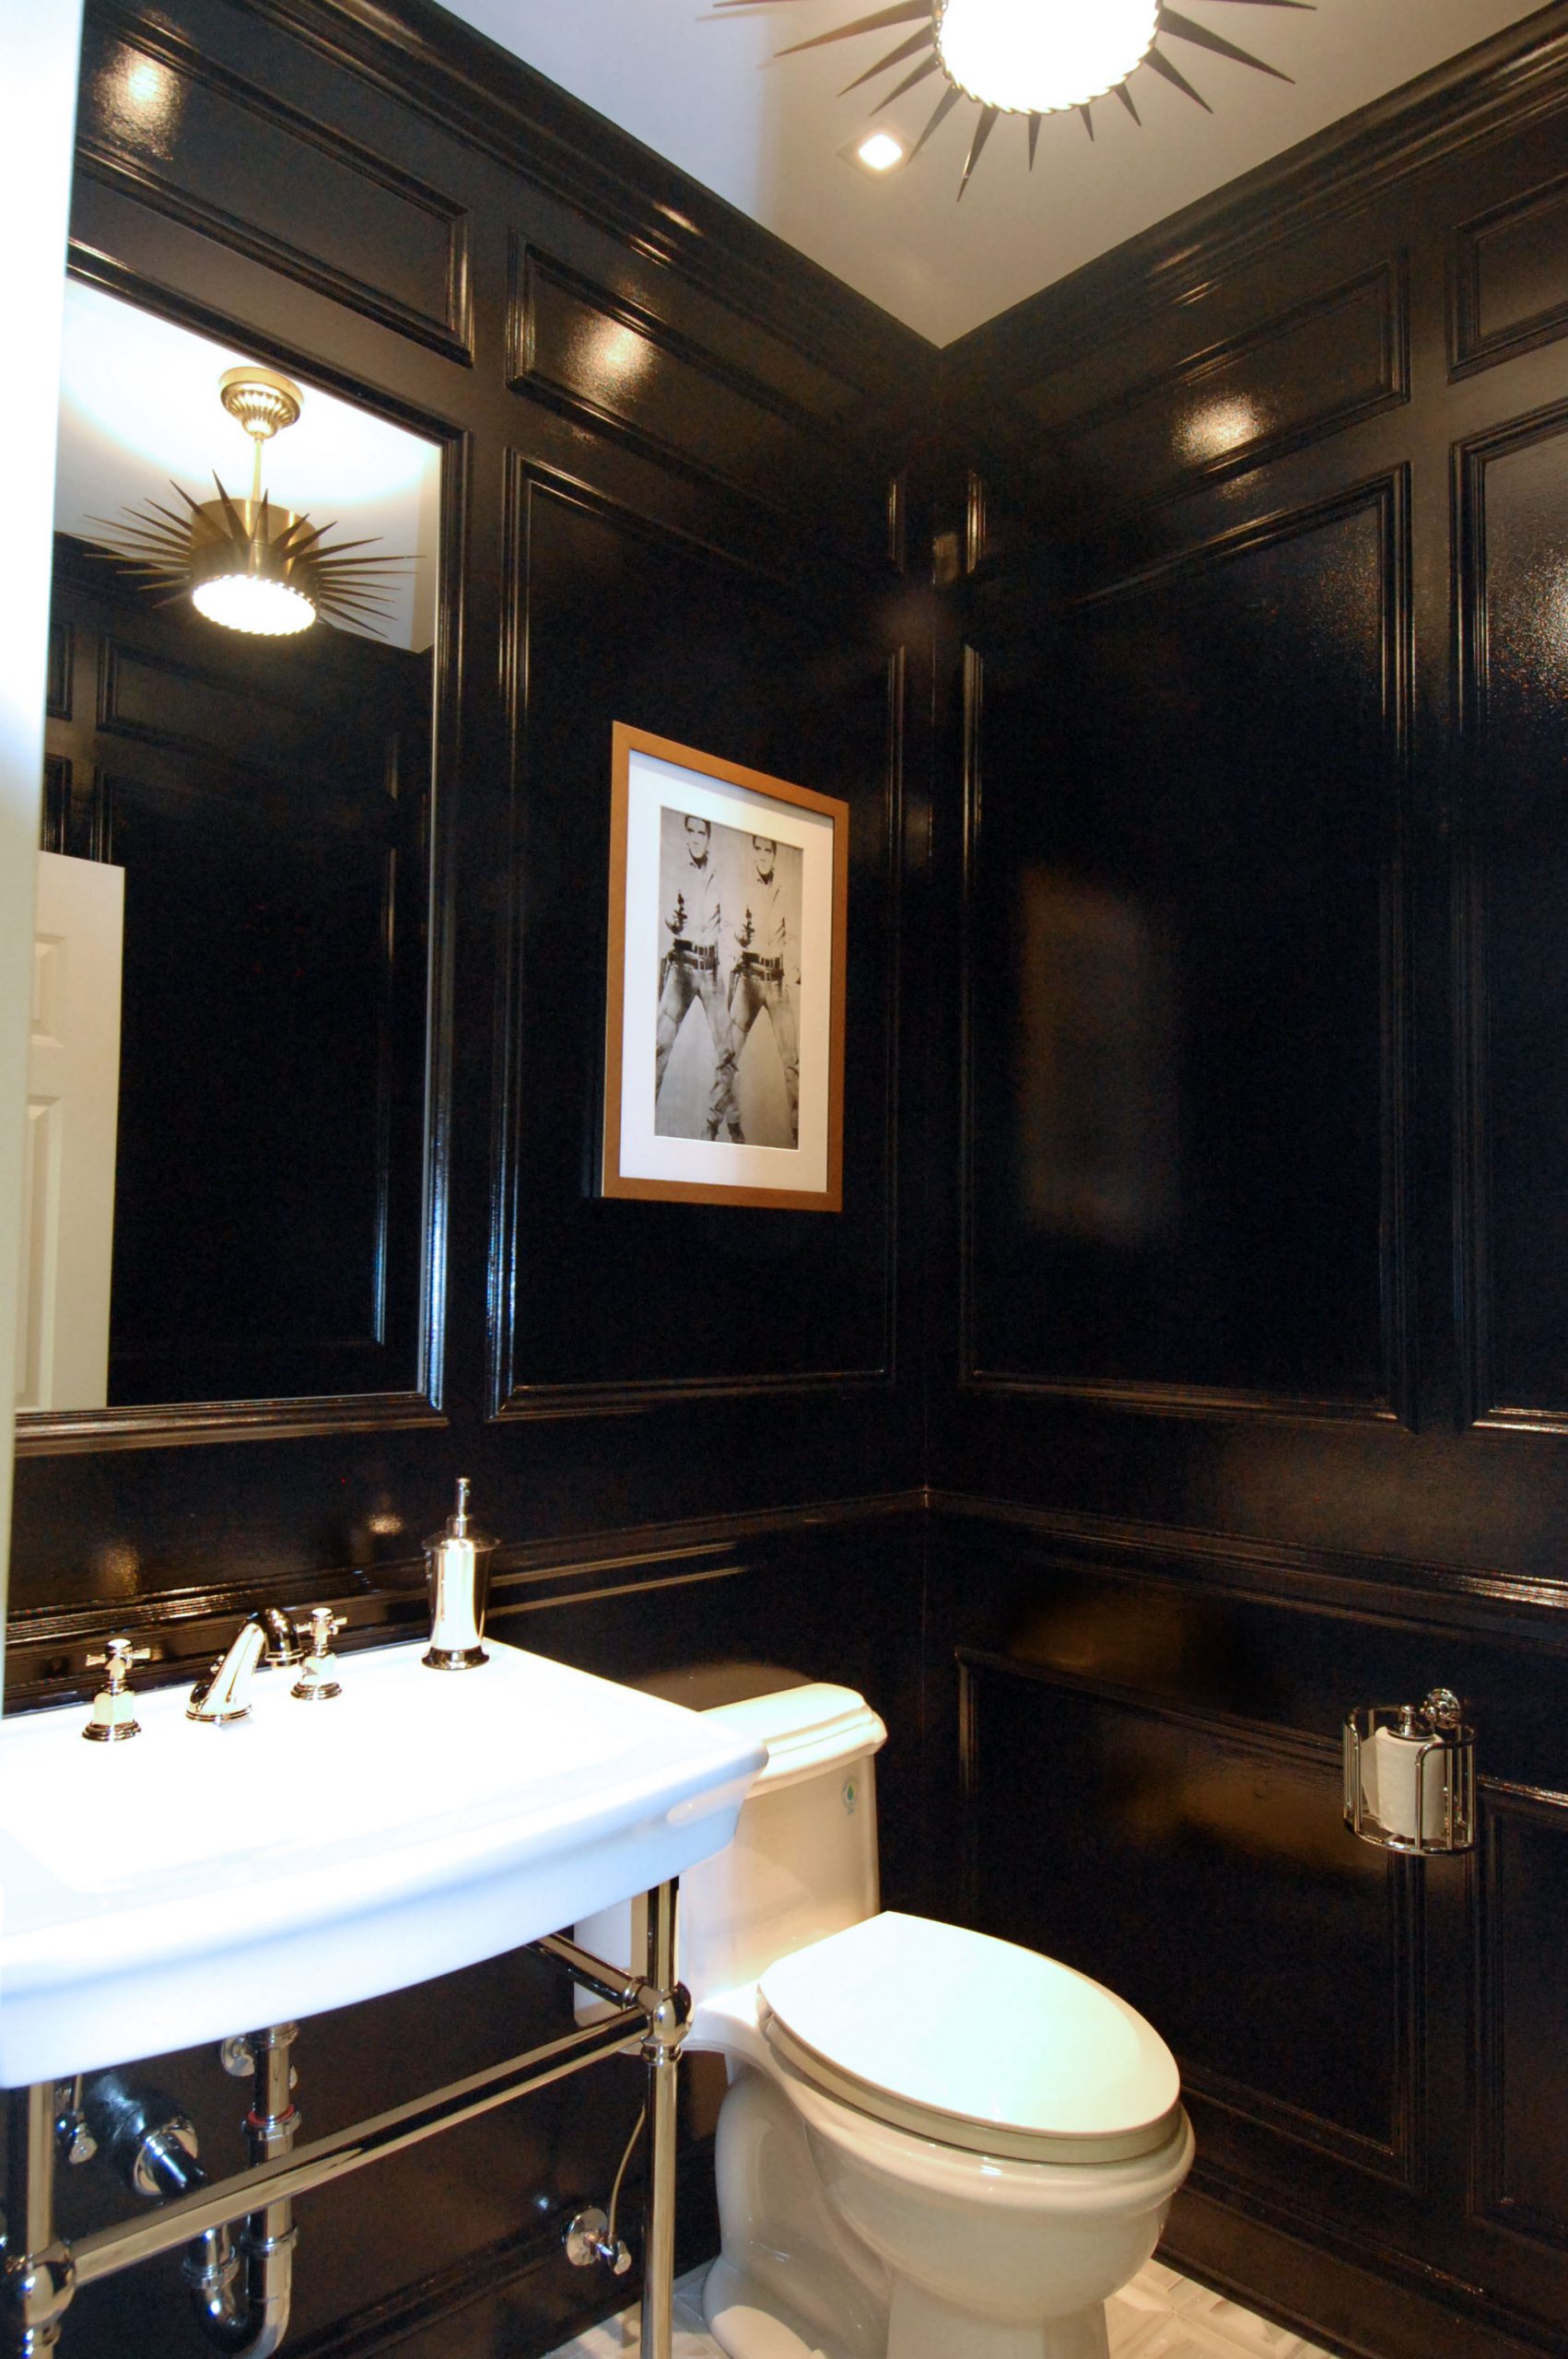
<point x="229" y="1201"/>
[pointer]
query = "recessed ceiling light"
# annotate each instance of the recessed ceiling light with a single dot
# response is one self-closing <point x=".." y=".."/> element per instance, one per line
<point x="879" y="151"/>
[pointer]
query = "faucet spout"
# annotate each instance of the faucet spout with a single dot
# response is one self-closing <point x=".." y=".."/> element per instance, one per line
<point x="225" y="1692"/>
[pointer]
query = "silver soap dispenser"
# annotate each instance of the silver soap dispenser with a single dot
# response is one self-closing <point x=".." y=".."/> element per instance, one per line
<point x="457" y="1562"/>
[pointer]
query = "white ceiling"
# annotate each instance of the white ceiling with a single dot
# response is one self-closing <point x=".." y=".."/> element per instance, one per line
<point x="139" y="407"/>
<point x="703" y="90"/>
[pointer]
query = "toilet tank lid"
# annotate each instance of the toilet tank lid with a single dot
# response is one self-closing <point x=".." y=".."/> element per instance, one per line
<point x="804" y="1728"/>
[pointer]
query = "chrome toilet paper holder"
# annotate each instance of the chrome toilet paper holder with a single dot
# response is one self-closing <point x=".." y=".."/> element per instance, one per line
<point x="1417" y="1763"/>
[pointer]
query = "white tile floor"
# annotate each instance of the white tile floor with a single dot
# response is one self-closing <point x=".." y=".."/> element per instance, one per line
<point x="1159" y="2315"/>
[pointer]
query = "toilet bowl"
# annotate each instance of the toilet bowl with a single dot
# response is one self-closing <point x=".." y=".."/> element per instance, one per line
<point x="933" y="2144"/>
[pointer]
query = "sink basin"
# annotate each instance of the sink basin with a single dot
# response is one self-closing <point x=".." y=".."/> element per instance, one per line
<point x="202" y="1880"/>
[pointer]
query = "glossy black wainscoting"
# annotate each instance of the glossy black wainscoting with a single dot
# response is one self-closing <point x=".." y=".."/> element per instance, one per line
<point x="1249" y="1397"/>
<point x="681" y="474"/>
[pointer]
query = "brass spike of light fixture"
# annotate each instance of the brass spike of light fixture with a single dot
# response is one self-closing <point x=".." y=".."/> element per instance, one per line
<point x="1032" y="57"/>
<point x="244" y="563"/>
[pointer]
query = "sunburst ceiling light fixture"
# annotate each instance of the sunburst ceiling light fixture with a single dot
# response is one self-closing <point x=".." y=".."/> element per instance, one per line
<point x="245" y="563"/>
<point x="1034" y="57"/>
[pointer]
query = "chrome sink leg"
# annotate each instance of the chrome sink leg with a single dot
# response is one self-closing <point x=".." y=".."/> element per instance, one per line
<point x="669" y="2016"/>
<point x="37" y="2277"/>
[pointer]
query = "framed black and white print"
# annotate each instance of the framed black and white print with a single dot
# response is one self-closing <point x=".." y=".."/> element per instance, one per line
<point x="724" y="1023"/>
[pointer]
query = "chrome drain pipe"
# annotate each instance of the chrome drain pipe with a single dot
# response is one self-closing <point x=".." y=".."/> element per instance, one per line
<point x="241" y="2287"/>
<point x="107" y="2250"/>
<point x="40" y="2273"/>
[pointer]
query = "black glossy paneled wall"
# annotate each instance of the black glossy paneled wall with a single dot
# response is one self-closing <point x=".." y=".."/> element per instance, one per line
<point x="675" y="494"/>
<point x="1188" y="1363"/>
<point x="1253" y="1379"/>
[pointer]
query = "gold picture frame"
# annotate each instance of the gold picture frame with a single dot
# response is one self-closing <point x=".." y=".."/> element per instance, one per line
<point x="724" y="1016"/>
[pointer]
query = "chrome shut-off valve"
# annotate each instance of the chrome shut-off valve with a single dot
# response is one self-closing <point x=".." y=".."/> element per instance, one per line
<point x="591" y="2236"/>
<point x="589" y="2239"/>
<point x="457" y="1563"/>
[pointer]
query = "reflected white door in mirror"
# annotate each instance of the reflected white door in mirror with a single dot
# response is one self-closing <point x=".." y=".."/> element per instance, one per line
<point x="73" y="1105"/>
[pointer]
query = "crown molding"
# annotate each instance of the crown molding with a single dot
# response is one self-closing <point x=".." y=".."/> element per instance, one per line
<point x="1498" y="88"/>
<point x="466" y="84"/>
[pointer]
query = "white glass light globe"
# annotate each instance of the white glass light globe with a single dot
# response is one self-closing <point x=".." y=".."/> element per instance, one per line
<point x="1037" y="57"/>
<point x="244" y="601"/>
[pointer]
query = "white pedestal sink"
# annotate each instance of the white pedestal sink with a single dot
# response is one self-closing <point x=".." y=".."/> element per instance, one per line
<point x="201" y="1880"/>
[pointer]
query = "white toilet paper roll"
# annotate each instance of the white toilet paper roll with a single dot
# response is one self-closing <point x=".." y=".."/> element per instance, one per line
<point x="1391" y="1788"/>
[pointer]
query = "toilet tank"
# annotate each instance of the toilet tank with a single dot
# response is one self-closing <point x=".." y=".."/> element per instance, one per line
<point x="803" y="1860"/>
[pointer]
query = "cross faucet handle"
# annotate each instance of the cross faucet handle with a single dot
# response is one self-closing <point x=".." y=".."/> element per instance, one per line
<point x="114" y="1718"/>
<point x="119" y="1654"/>
<point x="316" y="1683"/>
<point x="324" y="1627"/>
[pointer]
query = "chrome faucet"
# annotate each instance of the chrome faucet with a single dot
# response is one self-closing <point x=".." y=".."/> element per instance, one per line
<point x="225" y="1692"/>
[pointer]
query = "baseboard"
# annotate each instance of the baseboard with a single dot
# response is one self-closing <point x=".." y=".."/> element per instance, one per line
<point x="521" y="2296"/>
<point x="1372" y="2306"/>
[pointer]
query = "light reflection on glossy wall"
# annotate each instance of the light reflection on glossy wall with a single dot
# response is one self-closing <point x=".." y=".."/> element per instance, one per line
<point x="1098" y="1127"/>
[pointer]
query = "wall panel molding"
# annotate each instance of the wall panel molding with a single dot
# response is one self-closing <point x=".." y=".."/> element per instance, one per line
<point x="1313" y="370"/>
<point x="1234" y="1766"/>
<point x="513" y="1396"/>
<point x="71" y="1431"/>
<point x="1484" y="1401"/>
<point x="57" y="774"/>
<point x="617" y="366"/>
<point x="62" y="659"/>
<point x="1386" y="498"/>
<point x="46" y="1646"/>
<point x="509" y="112"/>
<point x="1410" y="1593"/>
<point x="1285" y="2261"/>
<point x="1517" y="2139"/>
<point x="1508" y="279"/>
<point x="398" y="217"/>
<point x="527" y="2272"/>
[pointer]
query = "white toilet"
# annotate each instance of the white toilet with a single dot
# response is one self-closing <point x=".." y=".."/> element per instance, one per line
<point x="933" y="2146"/>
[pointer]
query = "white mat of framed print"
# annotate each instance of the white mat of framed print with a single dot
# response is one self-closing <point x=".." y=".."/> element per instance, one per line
<point x="724" y="1021"/>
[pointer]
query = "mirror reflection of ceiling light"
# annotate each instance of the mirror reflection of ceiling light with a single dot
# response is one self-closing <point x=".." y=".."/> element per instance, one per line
<point x="1032" y="57"/>
<point x="244" y="563"/>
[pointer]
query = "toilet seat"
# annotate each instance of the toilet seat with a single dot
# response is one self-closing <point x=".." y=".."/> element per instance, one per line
<point x="917" y="2025"/>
